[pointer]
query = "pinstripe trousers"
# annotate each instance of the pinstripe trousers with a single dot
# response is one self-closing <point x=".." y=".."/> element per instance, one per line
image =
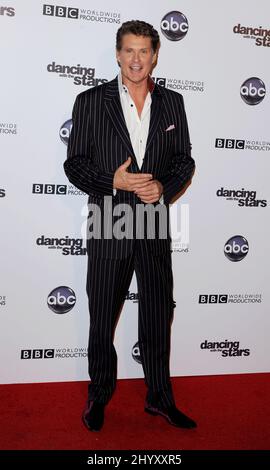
<point x="108" y="281"/>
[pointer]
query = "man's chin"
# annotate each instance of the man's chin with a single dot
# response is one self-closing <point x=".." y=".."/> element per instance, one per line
<point x="138" y="79"/>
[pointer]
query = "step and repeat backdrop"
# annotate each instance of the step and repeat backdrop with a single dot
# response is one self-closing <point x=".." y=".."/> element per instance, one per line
<point x="216" y="54"/>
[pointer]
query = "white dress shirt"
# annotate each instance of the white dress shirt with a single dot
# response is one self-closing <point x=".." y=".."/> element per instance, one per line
<point x="138" y="126"/>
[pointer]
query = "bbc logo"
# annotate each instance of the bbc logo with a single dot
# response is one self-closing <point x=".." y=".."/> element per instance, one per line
<point x="37" y="353"/>
<point x="213" y="299"/>
<point x="160" y="81"/>
<point x="62" y="12"/>
<point x="49" y="189"/>
<point x="230" y="144"/>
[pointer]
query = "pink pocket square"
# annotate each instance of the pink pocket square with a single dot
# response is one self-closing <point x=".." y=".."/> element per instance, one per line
<point x="172" y="126"/>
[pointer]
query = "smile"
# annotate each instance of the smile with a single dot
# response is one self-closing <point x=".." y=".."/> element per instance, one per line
<point x="136" y="68"/>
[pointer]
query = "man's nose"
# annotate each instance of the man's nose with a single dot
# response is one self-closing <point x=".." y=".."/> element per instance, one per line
<point x="136" y="57"/>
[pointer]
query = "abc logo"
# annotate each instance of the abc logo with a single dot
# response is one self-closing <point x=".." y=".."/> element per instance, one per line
<point x="61" y="299"/>
<point x="65" y="131"/>
<point x="136" y="353"/>
<point x="174" y="26"/>
<point x="253" y="91"/>
<point x="236" y="248"/>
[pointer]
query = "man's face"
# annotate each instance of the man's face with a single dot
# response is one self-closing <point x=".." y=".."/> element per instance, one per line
<point x="136" y="58"/>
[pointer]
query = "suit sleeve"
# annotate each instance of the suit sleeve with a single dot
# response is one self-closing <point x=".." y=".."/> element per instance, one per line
<point x="79" y="166"/>
<point x="182" y="164"/>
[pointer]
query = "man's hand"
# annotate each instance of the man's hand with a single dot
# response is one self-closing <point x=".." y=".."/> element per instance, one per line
<point x="129" y="181"/>
<point x="150" y="192"/>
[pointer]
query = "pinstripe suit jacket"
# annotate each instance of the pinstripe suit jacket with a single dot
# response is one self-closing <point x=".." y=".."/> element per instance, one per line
<point x="99" y="143"/>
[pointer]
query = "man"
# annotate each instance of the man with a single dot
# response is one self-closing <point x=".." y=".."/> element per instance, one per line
<point x="129" y="146"/>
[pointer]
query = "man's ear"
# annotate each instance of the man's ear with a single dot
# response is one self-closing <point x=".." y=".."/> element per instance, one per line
<point x="155" y="56"/>
<point x="154" y="59"/>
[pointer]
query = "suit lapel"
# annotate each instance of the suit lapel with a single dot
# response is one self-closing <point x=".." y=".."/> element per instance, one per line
<point x="115" y="114"/>
<point x="156" y="113"/>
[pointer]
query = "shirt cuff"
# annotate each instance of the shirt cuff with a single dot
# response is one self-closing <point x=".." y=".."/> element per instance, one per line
<point x="114" y="191"/>
<point x="161" y="199"/>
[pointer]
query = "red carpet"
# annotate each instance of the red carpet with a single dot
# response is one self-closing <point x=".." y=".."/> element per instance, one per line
<point x="232" y="412"/>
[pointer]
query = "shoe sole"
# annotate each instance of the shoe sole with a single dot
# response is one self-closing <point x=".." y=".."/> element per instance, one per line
<point x="156" y="413"/>
<point x="88" y="427"/>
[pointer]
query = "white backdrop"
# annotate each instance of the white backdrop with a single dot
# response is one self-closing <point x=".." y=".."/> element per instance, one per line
<point x="208" y="65"/>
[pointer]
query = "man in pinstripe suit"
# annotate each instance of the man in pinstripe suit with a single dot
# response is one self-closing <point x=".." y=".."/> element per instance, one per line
<point x="129" y="147"/>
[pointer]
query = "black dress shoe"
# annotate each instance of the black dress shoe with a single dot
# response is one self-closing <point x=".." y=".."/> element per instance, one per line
<point x="93" y="416"/>
<point x="173" y="416"/>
